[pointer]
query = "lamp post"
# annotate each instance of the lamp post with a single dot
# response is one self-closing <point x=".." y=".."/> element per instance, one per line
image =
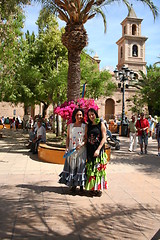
<point x="123" y="76"/>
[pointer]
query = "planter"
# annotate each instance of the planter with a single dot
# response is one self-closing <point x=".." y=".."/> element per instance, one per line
<point x="54" y="153"/>
<point x="7" y="126"/>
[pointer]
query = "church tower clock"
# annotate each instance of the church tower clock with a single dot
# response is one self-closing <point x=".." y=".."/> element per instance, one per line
<point x="131" y="46"/>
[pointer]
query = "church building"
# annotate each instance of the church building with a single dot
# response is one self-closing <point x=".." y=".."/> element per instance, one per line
<point x="131" y="53"/>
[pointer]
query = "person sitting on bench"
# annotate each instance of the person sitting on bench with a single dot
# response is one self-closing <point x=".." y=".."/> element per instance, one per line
<point x="39" y="137"/>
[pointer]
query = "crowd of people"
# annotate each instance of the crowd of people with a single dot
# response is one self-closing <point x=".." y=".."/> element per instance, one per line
<point x="36" y="127"/>
<point x="12" y="122"/>
<point x="141" y="129"/>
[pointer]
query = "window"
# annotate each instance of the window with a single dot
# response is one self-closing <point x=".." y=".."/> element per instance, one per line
<point x="135" y="51"/>
<point x="121" y="52"/>
<point x="124" y="29"/>
<point x="134" y="29"/>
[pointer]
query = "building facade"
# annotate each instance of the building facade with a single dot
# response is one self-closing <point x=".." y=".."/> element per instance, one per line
<point x="131" y="53"/>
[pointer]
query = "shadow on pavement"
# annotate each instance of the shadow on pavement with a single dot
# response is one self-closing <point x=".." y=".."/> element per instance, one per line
<point x="148" y="163"/>
<point x="32" y="217"/>
<point x="63" y="190"/>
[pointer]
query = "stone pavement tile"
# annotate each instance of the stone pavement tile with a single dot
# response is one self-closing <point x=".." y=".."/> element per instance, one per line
<point x="31" y="180"/>
<point x="62" y="225"/>
<point x="142" y="218"/>
<point x="147" y="224"/>
<point x="3" y="179"/>
<point x="8" y="213"/>
<point x="120" y="221"/>
<point x="14" y="179"/>
<point x="6" y="230"/>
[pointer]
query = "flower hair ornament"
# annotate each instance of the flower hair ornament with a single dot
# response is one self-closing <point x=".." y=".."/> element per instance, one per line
<point x="97" y="120"/>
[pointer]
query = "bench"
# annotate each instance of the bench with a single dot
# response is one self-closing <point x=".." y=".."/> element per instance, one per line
<point x="53" y="154"/>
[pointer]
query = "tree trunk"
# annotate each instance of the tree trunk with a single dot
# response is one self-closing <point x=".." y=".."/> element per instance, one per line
<point x="45" y="106"/>
<point x="58" y="130"/>
<point x="64" y="127"/>
<point x="53" y="123"/>
<point x="26" y="110"/>
<point x="74" y="75"/>
<point x="74" y="39"/>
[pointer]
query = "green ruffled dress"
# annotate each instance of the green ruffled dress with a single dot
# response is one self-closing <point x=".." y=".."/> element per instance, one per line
<point x="95" y="166"/>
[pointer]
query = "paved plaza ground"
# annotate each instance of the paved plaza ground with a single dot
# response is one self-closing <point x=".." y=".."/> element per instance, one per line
<point x="34" y="206"/>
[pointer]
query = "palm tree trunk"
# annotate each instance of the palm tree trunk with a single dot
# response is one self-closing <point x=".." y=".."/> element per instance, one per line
<point x="74" y="75"/>
<point x="74" y="39"/>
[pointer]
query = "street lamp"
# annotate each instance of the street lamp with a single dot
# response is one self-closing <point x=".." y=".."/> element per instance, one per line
<point x="123" y="75"/>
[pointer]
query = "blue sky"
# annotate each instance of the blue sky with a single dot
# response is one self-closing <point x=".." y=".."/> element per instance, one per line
<point x="105" y="44"/>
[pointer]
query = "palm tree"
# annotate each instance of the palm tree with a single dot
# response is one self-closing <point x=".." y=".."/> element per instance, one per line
<point x="76" y="13"/>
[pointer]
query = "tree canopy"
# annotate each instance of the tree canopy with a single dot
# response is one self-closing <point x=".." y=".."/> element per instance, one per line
<point x="98" y="83"/>
<point x="148" y="89"/>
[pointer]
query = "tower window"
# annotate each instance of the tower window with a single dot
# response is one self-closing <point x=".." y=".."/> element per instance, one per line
<point x="135" y="51"/>
<point x="124" y="29"/>
<point x="134" y="29"/>
<point x="121" y="52"/>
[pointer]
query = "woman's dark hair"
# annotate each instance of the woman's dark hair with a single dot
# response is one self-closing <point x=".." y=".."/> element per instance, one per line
<point x="93" y="111"/>
<point x="75" y="112"/>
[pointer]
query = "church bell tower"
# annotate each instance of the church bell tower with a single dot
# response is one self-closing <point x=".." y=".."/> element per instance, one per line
<point x="131" y="46"/>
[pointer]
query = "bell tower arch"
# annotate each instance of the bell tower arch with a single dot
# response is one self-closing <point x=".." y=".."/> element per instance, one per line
<point x="131" y="46"/>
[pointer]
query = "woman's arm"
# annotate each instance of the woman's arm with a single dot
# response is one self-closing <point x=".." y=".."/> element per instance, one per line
<point x="103" y="130"/>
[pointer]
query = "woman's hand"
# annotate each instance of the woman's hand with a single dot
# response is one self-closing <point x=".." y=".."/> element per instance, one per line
<point x="80" y="145"/>
<point x="96" y="153"/>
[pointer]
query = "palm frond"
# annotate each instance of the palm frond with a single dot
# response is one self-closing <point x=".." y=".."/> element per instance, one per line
<point x="63" y="16"/>
<point x="98" y="10"/>
<point x="153" y="8"/>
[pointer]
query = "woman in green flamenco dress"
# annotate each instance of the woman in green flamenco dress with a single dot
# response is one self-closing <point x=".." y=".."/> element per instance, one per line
<point x="96" y="156"/>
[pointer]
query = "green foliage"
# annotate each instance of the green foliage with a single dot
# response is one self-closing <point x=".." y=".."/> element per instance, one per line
<point x="44" y="61"/>
<point x="8" y="7"/>
<point x="98" y="83"/>
<point x="148" y="91"/>
<point x="10" y="53"/>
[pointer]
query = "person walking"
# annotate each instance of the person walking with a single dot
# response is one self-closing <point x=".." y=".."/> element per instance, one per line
<point x="155" y="119"/>
<point x="151" y="125"/>
<point x="132" y="131"/>
<point x="96" y="156"/>
<point x="157" y="131"/>
<point x="73" y="173"/>
<point x="142" y="126"/>
<point x="17" y="123"/>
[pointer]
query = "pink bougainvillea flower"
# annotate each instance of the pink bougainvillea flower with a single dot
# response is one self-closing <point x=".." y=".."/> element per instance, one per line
<point x="66" y="109"/>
